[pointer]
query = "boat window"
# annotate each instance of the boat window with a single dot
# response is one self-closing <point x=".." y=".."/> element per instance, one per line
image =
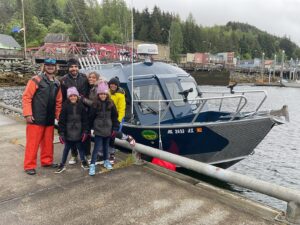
<point x="149" y="92"/>
<point x="186" y="85"/>
<point x="173" y="90"/>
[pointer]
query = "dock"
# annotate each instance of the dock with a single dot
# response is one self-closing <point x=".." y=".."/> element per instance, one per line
<point x="135" y="194"/>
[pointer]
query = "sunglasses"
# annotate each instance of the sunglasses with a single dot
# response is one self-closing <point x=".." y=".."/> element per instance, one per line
<point x="50" y="61"/>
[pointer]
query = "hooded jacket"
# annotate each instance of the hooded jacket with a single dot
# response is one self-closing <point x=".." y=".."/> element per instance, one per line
<point x="118" y="97"/>
<point x="103" y="118"/>
<point x="73" y="121"/>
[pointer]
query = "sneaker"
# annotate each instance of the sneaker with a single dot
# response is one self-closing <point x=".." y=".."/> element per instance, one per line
<point x="53" y="165"/>
<point x="84" y="165"/>
<point x="30" y="172"/>
<point x="92" y="170"/>
<point x="60" y="169"/>
<point x="73" y="160"/>
<point x="107" y="165"/>
<point x="112" y="158"/>
<point x="100" y="160"/>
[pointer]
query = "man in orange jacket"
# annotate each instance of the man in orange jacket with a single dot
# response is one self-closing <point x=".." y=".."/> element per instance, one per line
<point x="42" y="100"/>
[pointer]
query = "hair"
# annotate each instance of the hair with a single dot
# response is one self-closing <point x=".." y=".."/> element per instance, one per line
<point x="108" y="101"/>
<point x="95" y="73"/>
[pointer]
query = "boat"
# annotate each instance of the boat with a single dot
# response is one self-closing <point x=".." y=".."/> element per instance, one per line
<point x="167" y="110"/>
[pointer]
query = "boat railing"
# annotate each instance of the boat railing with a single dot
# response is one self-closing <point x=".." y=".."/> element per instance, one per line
<point x="242" y="103"/>
<point x="223" y="93"/>
<point x="93" y="62"/>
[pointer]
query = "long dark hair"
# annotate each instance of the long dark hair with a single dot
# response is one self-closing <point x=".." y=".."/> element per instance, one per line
<point x="109" y="103"/>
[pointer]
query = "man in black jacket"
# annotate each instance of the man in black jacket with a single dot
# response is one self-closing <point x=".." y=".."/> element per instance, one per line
<point x="75" y="79"/>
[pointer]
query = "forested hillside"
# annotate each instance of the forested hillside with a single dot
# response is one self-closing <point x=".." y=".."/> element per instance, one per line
<point x="110" y="22"/>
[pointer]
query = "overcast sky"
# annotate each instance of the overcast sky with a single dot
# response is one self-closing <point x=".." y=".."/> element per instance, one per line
<point x="278" y="17"/>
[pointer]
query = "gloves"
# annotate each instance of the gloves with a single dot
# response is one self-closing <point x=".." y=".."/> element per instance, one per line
<point x="61" y="140"/>
<point x="130" y="140"/>
<point x="84" y="137"/>
<point x="113" y="134"/>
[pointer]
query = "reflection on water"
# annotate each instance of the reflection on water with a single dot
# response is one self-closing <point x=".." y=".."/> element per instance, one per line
<point x="276" y="158"/>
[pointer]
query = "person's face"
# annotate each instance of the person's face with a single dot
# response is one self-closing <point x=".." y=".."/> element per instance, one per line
<point x="50" y="69"/>
<point x="102" y="96"/>
<point x="92" y="79"/>
<point x="113" y="87"/>
<point x="73" y="98"/>
<point x="73" y="70"/>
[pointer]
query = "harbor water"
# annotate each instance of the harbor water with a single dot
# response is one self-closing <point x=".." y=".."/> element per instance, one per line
<point x="277" y="157"/>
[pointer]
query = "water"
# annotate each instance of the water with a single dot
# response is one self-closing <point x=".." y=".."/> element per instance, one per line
<point x="276" y="158"/>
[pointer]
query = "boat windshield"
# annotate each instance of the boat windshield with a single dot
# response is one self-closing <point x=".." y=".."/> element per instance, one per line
<point x="149" y="92"/>
<point x="174" y="90"/>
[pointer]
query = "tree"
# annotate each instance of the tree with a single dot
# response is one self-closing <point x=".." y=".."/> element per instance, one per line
<point x="60" y="27"/>
<point x="155" y="32"/>
<point x="176" y="41"/>
<point x="44" y="11"/>
<point x="144" y="30"/>
<point x="110" y="34"/>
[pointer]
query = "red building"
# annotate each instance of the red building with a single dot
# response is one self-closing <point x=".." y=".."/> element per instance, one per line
<point x="201" y="58"/>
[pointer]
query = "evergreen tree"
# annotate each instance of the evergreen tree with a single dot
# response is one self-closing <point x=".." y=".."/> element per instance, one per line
<point x="176" y="41"/>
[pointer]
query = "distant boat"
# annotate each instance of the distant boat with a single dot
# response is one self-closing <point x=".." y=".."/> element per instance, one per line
<point x="171" y="113"/>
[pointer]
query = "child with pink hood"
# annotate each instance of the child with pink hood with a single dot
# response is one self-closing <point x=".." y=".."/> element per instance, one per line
<point x="103" y="120"/>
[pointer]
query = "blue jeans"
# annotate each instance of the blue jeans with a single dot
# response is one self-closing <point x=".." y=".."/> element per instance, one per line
<point x="73" y="144"/>
<point x="100" y="143"/>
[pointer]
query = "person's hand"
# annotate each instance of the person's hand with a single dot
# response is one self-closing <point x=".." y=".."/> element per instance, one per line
<point x="29" y="119"/>
<point x="84" y="137"/>
<point x="61" y="140"/>
<point x="130" y="140"/>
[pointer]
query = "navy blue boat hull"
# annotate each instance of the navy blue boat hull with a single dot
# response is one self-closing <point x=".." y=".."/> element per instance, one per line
<point x="220" y="143"/>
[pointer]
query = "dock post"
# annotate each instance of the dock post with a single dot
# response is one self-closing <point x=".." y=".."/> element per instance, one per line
<point x="293" y="212"/>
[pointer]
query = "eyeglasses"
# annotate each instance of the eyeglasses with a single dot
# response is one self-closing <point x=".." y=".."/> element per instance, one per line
<point x="102" y="94"/>
<point x="50" y="61"/>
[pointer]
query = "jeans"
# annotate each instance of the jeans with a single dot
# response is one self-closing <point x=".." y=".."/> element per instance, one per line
<point x="86" y="146"/>
<point x="70" y="145"/>
<point x="100" y="143"/>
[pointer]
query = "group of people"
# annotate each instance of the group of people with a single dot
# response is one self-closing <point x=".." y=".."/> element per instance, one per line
<point x="80" y="103"/>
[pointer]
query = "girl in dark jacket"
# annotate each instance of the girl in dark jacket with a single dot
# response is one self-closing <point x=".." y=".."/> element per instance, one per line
<point x="104" y="120"/>
<point x="73" y="127"/>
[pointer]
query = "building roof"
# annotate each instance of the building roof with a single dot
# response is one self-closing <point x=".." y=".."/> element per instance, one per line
<point x="56" y="38"/>
<point x="8" y="42"/>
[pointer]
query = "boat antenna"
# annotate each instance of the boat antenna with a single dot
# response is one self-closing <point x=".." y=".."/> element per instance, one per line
<point x="132" y="52"/>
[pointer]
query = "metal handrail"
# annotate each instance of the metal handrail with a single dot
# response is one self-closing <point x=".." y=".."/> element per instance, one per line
<point x="242" y="93"/>
<point x="198" y="111"/>
<point x="292" y="197"/>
